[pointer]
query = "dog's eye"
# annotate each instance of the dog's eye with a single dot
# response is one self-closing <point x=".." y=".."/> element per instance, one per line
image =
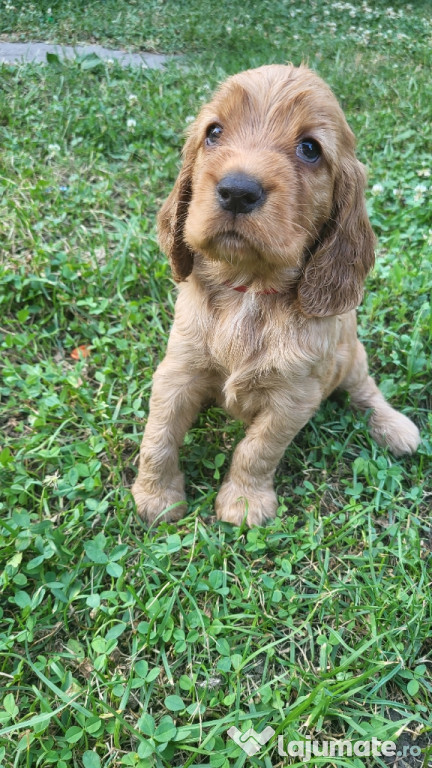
<point x="308" y="150"/>
<point x="214" y="132"/>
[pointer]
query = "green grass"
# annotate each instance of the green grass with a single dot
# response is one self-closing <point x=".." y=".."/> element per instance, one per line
<point x="123" y="647"/>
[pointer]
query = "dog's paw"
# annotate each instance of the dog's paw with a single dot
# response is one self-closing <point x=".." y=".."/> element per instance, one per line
<point x="235" y="503"/>
<point x="160" y="503"/>
<point x="395" y="431"/>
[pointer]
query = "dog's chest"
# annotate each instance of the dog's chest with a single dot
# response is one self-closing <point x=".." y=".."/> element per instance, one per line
<point x="237" y="332"/>
<point x="251" y="338"/>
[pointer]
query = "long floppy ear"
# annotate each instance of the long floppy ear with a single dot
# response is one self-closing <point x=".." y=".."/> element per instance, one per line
<point x="172" y="216"/>
<point x="332" y="282"/>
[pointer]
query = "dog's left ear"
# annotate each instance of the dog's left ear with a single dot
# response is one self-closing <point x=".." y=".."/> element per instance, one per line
<point x="172" y="216"/>
<point x="332" y="282"/>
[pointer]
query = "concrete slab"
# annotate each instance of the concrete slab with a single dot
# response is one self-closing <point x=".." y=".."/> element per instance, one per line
<point x="22" y="53"/>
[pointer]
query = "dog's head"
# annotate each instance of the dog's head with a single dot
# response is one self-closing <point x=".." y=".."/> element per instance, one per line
<point x="270" y="181"/>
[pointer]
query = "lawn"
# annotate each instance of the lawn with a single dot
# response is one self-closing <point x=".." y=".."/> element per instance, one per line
<point x="124" y="647"/>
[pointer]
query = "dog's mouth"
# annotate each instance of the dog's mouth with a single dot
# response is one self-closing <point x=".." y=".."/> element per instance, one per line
<point x="232" y="243"/>
<point x="231" y="237"/>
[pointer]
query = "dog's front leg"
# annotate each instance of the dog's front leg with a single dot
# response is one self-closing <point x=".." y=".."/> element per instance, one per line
<point x="177" y="395"/>
<point x="248" y="491"/>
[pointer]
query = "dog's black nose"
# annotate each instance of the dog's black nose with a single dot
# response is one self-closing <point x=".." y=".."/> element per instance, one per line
<point x="239" y="193"/>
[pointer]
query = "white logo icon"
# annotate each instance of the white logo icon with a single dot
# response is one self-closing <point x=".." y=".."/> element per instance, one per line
<point x="251" y="741"/>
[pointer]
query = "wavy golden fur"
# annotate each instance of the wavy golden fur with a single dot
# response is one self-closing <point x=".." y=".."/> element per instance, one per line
<point x="267" y="233"/>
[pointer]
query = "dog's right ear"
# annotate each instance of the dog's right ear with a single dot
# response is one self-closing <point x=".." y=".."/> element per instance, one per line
<point x="172" y="216"/>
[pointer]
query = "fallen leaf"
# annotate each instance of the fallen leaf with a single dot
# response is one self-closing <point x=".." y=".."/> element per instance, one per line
<point x="79" y="352"/>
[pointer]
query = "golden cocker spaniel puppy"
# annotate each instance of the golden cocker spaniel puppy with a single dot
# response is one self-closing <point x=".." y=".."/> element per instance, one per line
<point x="267" y="233"/>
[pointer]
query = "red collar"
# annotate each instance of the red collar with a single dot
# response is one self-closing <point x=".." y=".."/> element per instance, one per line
<point x="245" y="289"/>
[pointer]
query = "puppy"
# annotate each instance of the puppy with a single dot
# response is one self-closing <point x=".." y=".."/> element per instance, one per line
<point x="267" y="233"/>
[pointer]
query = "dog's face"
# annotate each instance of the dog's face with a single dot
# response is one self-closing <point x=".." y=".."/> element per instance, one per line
<point x="263" y="177"/>
<point x="270" y="181"/>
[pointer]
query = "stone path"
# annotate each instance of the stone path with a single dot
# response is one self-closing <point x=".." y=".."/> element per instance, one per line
<point x="20" y="53"/>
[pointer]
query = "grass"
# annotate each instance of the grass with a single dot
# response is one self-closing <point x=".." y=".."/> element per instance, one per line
<point x="124" y="647"/>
